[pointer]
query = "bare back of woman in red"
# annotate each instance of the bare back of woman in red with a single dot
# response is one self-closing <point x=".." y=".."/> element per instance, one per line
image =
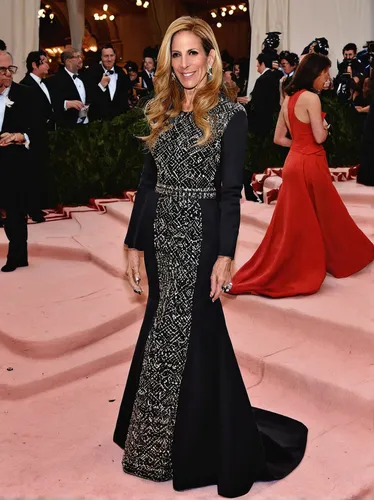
<point x="311" y="232"/>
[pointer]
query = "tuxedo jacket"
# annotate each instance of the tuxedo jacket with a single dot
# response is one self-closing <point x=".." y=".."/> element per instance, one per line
<point x="62" y="88"/>
<point x="264" y="103"/>
<point x="147" y="80"/>
<point x="102" y="107"/>
<point x="45" y="107"/>
<point x="16" y="161"/>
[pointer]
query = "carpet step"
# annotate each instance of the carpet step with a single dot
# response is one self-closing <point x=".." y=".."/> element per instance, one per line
<point x="334" y="466"/>
<point x="66" y="305"/>
<point x="258" y="216"/>
<point x="350" y="191"/>
<point x="306" y="357"/>
<point x="331" y="379"/>
<point x="79" y="421"/>
<point x="341" y="313"/>
<point x="23" y="378"/>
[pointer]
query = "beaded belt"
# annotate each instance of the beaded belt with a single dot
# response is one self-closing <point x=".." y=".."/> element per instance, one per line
<point x="186" y="193"/>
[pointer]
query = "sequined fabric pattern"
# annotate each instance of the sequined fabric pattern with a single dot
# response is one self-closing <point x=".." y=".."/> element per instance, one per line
<point x="177" y="243"/>
<point x="186" y="173"/>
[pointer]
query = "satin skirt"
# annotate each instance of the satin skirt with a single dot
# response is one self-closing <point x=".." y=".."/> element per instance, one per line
<point x="310" y="234"/>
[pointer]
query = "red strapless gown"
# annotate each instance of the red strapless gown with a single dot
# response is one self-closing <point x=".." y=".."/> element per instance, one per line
<point x="311" y="231"/>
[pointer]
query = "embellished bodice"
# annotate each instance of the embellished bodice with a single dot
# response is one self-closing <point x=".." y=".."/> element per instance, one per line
<point x="183" y="165"/>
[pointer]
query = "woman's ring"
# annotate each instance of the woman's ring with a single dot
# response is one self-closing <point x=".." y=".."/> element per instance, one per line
<point x="227" y="288"/>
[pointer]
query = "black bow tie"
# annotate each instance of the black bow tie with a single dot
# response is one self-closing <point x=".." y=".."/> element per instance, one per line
<point x="42" y="81"/>
<point x="110" y="71"/>
<point x="75" y="76"/>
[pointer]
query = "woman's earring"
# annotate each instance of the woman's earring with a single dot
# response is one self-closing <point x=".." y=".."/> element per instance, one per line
<point x="210" y="73"/>
<point x="173" y="75"/>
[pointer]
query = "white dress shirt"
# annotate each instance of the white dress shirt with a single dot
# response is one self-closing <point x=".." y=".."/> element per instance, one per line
<point x="82" y="94"/>
<point x="112" y="83"/>
<point x="150" y="74"/>
<point x="43" y="86"/>
<point x="3" y="99"/>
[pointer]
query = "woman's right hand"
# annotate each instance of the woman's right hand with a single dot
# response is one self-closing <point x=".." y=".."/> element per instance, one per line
<point x="132" y="272"/>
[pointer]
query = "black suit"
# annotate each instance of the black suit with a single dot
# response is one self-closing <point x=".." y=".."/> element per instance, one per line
<point x="148" y="80"/>
<point x="102" y="106"/>
<point x="16" y="168"/>
<point x="261" y="110"/>
<point x="38" y="187"/>
<point x="62" y="88"/>
<point x="264" y="103"/>
<point x="45" y="107"/>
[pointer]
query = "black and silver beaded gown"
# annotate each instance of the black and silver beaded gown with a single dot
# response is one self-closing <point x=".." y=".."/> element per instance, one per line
<point x="185" y="414"/>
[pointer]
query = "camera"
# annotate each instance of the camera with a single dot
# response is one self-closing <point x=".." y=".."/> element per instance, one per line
<point x="354" y="64"/>
<point x="318" y="45"/>
<point x="370" y="47"/>
<point x="271" y="42"/>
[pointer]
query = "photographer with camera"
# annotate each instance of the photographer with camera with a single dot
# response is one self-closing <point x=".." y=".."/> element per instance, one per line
<point x="316" y="46"/>
<point x="350" y="78"/>
<point x="366" y="56"/>
<point x="350" y="51"/>
<point x="269" y="47"/>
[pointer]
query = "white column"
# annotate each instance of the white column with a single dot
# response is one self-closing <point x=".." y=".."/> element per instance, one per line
<point x="19" y="28"/>
<point x="340" y="21"/>
<point x="265" y="16"/>
<point x="76" y="22"/>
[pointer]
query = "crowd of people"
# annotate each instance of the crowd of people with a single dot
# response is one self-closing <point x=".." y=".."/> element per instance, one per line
<point x="353" y="86"/>
<point x="76" y="95"/>
<point x="72" y="97"/>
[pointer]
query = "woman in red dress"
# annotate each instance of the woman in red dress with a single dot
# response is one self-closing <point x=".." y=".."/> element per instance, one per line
<point x="311" y="231"/>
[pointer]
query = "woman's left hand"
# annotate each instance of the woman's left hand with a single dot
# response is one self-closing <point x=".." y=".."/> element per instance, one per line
<point x="221" y="276"/>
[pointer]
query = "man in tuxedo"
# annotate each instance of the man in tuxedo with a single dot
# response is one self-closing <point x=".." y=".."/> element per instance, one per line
<point x="148" y="72"/>
<point x="37" y="72"/>
<point x="265" y="97"/>
<point x="109" y="87"/>
<point x="19" y="127"/>
<point x="264" y="104"/>
<point x="69" y="92"/>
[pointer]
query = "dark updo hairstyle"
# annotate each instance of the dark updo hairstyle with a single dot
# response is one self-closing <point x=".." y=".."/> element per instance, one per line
<point x="131" y="66"/>
<point x="308" y="70"/>
<point x="290" y="57"/>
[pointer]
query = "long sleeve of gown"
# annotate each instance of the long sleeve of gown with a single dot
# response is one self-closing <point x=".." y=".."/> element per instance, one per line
<point x="147" y="183"/>
<point x="233" y="156"/>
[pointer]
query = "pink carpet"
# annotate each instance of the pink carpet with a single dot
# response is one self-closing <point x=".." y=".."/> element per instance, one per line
<point x="68" y="327"/>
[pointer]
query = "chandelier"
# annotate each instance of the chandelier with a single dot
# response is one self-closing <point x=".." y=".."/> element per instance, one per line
<point x="105" y="14"/>
<point x="141" y="3"/>
<point x="46" y="13"/>
<point x="227" y="10"/>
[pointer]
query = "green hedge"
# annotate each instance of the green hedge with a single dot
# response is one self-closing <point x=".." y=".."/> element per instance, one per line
<point x="98" y="160"/>
<point x="105" y="158"/>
